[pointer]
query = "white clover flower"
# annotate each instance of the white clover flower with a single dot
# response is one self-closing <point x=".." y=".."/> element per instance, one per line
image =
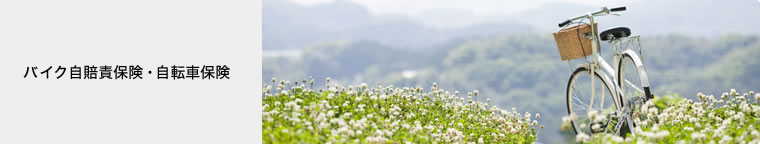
<point x="726" y="139"/>
<point x="583" y="125"/>
<point x="688" y="129"/>
<point x="596" y="127"/>
<point x="363" y="86"/>
<point x="697" y="136"/>
<point x="739" y="116"/>
<point x="723" y="97"/>
<point x="600" y="118"/>
<point x="662" y="134"/>
<point x="377" y="139"/>
<point x="284" y="92"/>
<point x="617" y="139"/>
<point x="592" y="114"/>
<point x="655" y="127"/>
<point x="454" y="135"/>
<point x="581" y="137"/>
<point x="701" y="96"/>
<point x="726" y="122"/>
<point x="565" y="123"/>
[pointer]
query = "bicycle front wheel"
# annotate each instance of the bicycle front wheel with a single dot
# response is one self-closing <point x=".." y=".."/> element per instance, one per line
<point x="581" y="102"/>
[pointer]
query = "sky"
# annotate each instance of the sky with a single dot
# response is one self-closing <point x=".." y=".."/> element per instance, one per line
<point x="476" y="7"/>
<point x="691" y="17"/>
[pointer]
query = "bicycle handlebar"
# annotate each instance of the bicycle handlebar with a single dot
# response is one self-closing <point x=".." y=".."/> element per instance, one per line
<point x="562" y="24"/>
<point x="617" y="9"/>
<point x="604" y="10"/>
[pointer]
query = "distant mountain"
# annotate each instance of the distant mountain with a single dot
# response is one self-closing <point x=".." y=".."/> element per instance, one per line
<point x="706" y="18"/>
<point x="288" y="25"/>
<point x="703" y="18"/>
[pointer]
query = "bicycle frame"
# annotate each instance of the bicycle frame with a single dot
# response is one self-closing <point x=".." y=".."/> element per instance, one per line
<point x="597" y="63"/>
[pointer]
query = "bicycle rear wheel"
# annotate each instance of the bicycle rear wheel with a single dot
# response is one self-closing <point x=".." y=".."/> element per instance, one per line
<point x="633" y="78"/>
<point x="633" y="82"/>
<point x="579" y="101"/>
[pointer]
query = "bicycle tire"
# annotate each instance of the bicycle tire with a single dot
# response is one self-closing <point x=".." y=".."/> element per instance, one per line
<point x="633" y="82"/>
<point x="572" y="95"/>
<point x="627" y="60"/>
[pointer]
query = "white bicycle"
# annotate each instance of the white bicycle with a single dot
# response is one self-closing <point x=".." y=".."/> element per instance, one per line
<point x="600" y="103"/>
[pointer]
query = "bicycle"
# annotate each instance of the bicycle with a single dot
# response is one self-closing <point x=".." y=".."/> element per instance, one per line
<point x="628" y="89"/>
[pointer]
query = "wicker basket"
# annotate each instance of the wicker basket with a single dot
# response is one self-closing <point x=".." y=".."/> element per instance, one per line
<point x="572" y="41"/>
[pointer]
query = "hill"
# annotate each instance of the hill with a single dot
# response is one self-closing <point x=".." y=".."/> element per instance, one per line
<point x="287" y="25"/>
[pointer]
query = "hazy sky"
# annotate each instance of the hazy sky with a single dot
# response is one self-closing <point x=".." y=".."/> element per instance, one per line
<point x="477" y="7"/>
<point x="691" y="17"/>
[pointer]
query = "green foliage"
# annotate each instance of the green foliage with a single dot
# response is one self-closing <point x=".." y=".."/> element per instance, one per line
<point x="666" y="101"/>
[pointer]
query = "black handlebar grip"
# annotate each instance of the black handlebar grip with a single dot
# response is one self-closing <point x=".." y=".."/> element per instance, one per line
<point x="622" y="8"/>
<point x="562" y="24"/>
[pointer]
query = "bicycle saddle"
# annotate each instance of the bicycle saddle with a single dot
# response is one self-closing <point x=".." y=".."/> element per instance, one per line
<point x="617" y="32"/>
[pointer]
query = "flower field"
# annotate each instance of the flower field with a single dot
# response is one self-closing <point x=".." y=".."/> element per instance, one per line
<point x="299" y="113"/>
<point x="729" y="118"/>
